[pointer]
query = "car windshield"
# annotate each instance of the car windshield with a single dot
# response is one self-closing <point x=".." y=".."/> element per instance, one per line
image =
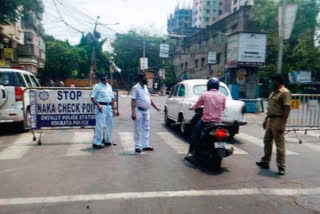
<point x="10" y="79"/>
<point x="199" y="89"/>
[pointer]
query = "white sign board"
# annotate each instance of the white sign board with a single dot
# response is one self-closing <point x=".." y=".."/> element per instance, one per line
<point x="212" y="58"/>
<point x="246" y="49"/>
<point x="143" y="63"/>
<point x="291" y="12"/>
<point x="300" y="77"/>
<point x="61" y="108"/>
<point x="164" y="50"/>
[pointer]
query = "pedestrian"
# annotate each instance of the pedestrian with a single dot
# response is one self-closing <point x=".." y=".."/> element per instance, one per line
<point x="103" y="99"/>
<point x="275" y="123"/>
<point x="140" y="104"/>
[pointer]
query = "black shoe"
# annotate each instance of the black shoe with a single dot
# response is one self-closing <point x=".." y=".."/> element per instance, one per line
<point x="138" y="150"/>
<point x="190" y="158"/>
<point x="148" y="149"/>
<point x="263" y="165"/>
<point x="281" y="171"/>
<point x="97" y="146"/>
<point x="107" y="144"/>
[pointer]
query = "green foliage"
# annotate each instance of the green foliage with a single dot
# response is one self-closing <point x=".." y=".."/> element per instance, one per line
<point x="300" y="52"/>
<point x="64" y="60"/>
<point x="9" y="12"/>
<point x="128" y="49"/>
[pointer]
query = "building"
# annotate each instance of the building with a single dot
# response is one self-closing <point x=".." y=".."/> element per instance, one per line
<point x="204" y="13"/>
<point x="191" y="54"/>
<point x="179" y="20"/>
<point x="31" y="55"/>
<point x="207" y="12"/>
<point x="21" y="45"/>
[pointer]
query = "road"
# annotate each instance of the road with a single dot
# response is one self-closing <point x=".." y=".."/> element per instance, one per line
<point x="65" y="175"/>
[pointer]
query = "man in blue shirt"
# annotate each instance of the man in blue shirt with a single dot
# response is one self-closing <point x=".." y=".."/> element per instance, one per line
<point x="103" y="98"/>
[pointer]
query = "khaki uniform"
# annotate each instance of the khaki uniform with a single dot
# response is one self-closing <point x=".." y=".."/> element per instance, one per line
<point x="277" y="101"/>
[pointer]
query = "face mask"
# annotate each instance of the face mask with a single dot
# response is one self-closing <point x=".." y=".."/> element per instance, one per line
<point x="144" y="82"/>
<point x="272" y="86"/>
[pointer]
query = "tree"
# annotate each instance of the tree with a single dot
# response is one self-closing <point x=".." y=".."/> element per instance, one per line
<point x="128" y="49"/>
<point x="300" y="51"/>
<point x="9" y="9"/>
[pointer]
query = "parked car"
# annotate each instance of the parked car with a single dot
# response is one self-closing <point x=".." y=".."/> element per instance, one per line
<point x="187" y="92"/>
<point x="13" y="82"/>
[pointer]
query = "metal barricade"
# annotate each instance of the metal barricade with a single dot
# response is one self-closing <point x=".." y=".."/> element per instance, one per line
<point x="305" y="112"/>
<point x="31" y="111"/>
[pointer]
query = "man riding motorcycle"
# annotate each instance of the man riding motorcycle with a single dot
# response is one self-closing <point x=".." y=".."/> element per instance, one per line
<point x="214" y="103"/>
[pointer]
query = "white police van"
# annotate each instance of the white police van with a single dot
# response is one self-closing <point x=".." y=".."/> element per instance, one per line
<point x="12" y="84"/>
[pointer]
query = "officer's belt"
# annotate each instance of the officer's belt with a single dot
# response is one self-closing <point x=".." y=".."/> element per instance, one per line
<point x="105" y="104"/>
<point x="274" y="116"/>
<point x="142" y="109"/>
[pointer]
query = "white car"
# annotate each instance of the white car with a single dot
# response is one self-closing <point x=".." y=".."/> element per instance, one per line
<point x="13" y="82"/>
<point x="188" y="92"/>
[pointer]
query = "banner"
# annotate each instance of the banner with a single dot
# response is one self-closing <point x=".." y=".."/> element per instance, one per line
<point x="61" y="108"/>
<point x="212" y="58"/>
<point x="144" y="63"/>
<point x="8" y="53"/>
<point x="290" y="17"/>
<point x="164" y="50"/>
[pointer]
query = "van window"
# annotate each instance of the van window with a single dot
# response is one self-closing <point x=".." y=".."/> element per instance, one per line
<point x="34" y="81"/>
<point x="28" y="80"/>
<point x="182" y="91"/>
<point x="175" y="93"/>
<point x="11" y="79"/>
<point x="199" y="89"/>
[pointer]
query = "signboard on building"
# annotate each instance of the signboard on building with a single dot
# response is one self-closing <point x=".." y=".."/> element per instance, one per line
<point x="300" y="77"/>
<point x="61" y="108"/>
<point x="164" y="50"/>
<point x="212" y="58"/>
<point x="143" y="63"/>
<point x="246" y="49"/>
<point x="8" y="53"/>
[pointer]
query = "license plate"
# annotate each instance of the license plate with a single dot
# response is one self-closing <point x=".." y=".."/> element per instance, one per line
<point x="220" y="145"/>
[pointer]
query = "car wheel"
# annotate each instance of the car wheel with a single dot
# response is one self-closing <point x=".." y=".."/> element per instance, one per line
<point x="3" y="95"/>
<point x="167" y="121"/>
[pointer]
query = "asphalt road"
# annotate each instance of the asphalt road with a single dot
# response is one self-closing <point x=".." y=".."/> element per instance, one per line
<point x="65" y="175"/>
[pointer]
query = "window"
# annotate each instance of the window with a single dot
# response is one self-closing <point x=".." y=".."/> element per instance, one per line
<point x="220" y="3"/>
<point x="208" y="3"/>
<point x="220" y="12"/>
<point x="203" y="61"/>
<point x="175" y="93"/>
<point x="11" y="79"/>
<point x="199" y="89"/>
<point x="28" y="80"/>
<point x="34" y="81"/>
<point x="182" y="91"/>
<point x="208" y="11"/>
<point x="186" y="66"/>
<point x="207" y="19"/>
<point x="196" y="63"/>
<point x="181" y="66"/>
<point x="218" y="58"/>
<point x="235" y="1"/>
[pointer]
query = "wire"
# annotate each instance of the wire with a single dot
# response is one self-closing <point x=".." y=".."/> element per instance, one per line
<point x="54" y="2"/>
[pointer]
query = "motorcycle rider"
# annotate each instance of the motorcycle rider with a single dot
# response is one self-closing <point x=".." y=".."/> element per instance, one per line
<point x="214" y="103"/>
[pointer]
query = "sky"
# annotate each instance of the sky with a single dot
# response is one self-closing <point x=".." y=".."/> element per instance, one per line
<point x="63" y="21"/>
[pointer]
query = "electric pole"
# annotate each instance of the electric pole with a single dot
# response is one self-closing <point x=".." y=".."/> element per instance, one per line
<point x="96" y="37"/>
<point x="281" y="36"/>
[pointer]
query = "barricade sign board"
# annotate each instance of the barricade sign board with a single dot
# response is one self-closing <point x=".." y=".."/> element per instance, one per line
<point x="295" y="104"/>
<point x="61" y="108"/>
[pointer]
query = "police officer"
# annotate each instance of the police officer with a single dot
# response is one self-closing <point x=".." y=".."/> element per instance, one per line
<point x="140" y="104"/>
<point x="103" y="98"/>
<point x="275" y="123"/>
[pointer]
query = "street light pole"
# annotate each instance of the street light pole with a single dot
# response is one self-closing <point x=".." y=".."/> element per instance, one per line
<point x="281" y="36"/>
<point x="93" y="60"/>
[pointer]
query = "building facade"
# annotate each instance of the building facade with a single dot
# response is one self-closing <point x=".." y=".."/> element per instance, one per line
<point x="180" y="20"/>
<point x="21" y="45"/>
<point x="204" y="13"/>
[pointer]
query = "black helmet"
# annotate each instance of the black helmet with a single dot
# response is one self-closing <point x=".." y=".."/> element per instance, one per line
<point x="213" y="83"/>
